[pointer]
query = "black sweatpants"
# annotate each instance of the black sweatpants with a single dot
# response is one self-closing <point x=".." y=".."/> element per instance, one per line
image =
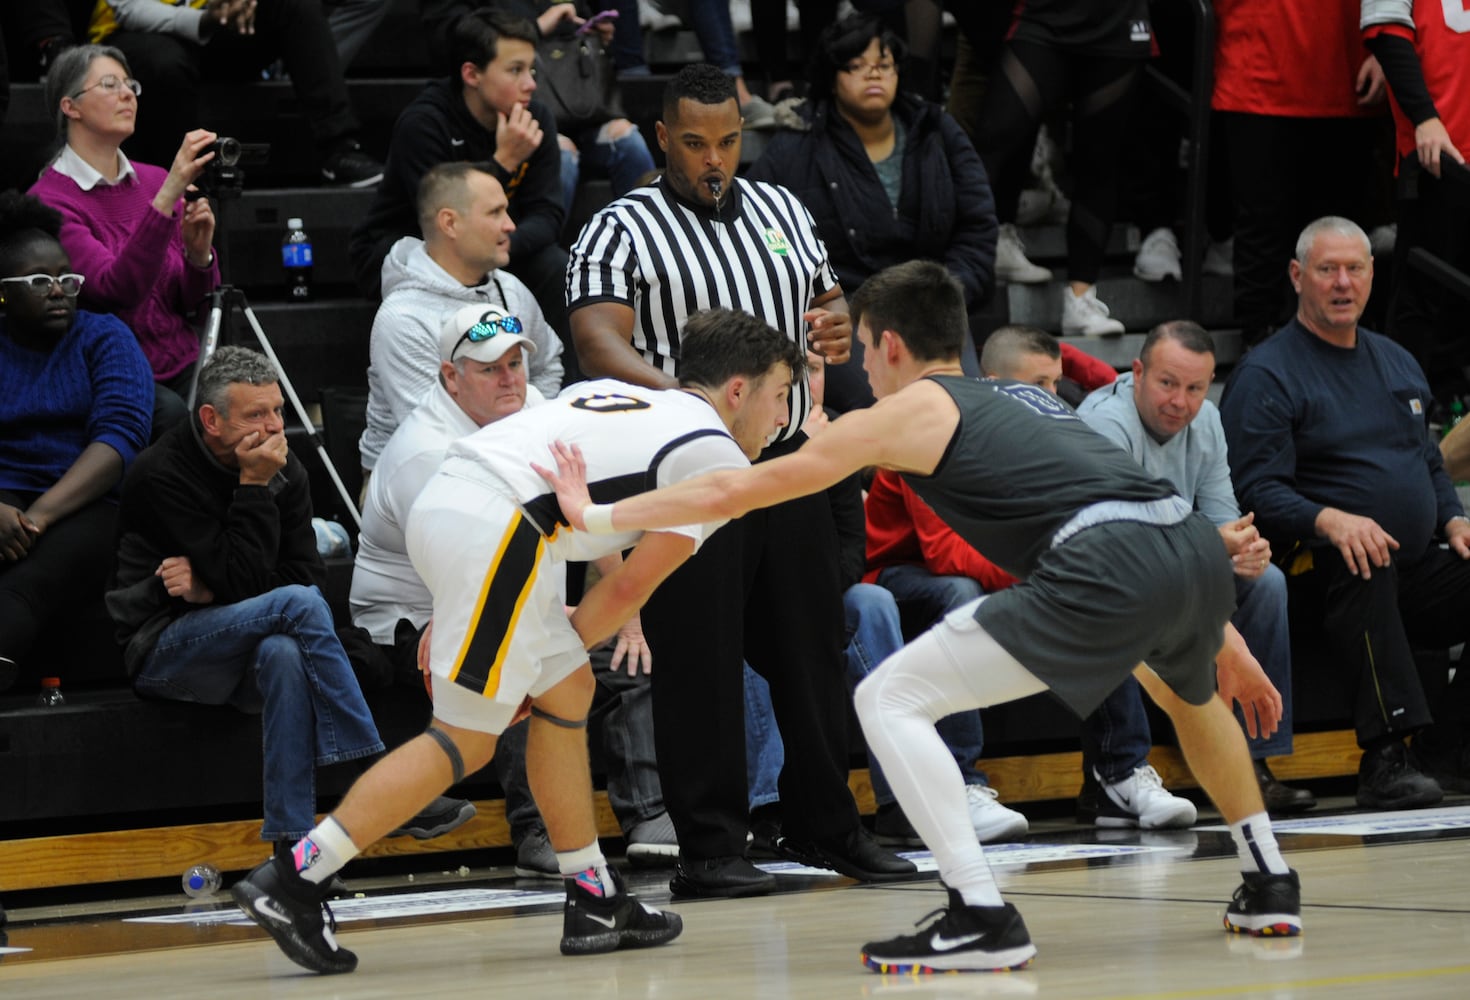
<point x="763" y="589"/>
<point x="1371" y="626"/>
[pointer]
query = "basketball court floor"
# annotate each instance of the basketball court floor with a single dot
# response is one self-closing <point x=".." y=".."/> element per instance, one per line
<point x="1112" y="913"/>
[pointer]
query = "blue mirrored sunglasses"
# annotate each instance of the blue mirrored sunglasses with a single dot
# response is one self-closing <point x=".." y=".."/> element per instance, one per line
<point x="487" y="328"/>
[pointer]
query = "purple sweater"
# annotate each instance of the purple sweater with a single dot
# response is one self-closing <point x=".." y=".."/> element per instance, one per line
<point x="133" y="260"/>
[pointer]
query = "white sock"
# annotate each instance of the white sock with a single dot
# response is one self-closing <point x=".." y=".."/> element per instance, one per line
<point x="589" y="868"/>
<point x="978" y="888"/>
<point x="1256" y="845"/>
<point x="321" y="853"/>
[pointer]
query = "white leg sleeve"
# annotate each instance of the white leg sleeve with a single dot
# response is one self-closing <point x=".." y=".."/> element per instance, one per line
<point x="954" y="666"/>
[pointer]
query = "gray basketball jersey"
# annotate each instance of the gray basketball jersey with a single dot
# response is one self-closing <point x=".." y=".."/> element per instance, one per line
<point x="1021" y="465"/>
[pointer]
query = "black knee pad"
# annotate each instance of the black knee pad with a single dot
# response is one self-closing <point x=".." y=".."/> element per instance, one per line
<point x="557" y="720"/>
<point x="456" y="760"/>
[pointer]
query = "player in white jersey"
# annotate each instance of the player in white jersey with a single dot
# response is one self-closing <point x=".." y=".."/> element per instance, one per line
<point x="490" y="542"/>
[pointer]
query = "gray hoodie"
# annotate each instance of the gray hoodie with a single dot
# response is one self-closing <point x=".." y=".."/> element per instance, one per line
<point x="404" y="353"/>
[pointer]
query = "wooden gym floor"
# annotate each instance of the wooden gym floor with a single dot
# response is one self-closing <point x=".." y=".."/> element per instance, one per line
<point x="1113" y="914"/>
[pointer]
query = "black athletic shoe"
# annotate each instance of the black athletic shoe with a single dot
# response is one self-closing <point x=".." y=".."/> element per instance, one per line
<point x="1266" y="905"/>
<point x="437" y="818"/>
<point x="593" y="924"/>
<point x="295" y="913"/>
<point x="1389" y="779"/>
<point x="963" y="939"/>
<point x="1447" y="762"/>
<point x="856" y="855"/>
<point x="726" y="877"/>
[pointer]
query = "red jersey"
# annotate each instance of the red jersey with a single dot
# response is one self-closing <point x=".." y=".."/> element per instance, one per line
<point x="1294" y="58"/>
<point x="1441" y="37"/>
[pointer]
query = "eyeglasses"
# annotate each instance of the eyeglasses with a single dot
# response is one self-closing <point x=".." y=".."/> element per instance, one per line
<point x="860" y="68"/>
<point x="111" y="84"/>
<point x="41" y="284"/>
<point x="488" y="327"/>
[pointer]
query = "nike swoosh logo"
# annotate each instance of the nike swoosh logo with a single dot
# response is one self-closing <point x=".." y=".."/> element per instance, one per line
<point x="456" y="142"/>
<point x="268" y="908"/>
<point x="608" y="922"/>
<point x="941" y="943"/>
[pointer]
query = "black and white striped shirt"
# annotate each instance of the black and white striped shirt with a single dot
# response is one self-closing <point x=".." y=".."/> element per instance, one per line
<point x="668" y="258"/>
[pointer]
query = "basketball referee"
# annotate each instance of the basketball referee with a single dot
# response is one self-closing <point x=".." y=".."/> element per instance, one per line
<point x="764" y="590"/>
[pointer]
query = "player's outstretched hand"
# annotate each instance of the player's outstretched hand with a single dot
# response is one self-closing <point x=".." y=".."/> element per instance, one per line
<point x="632" y="647"/>
<point x="1241" y="680"/>
<point x="569" y="481"/>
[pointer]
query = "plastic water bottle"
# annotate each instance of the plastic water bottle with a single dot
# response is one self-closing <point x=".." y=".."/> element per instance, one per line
<point x="1457" y="413"/>
<point x="201" y="880"/>
<point x="296" y="259"/>
<point x="50" y="695"/>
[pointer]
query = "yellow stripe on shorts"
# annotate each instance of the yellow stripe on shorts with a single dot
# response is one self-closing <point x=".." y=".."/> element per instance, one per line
<point x="503" y="594"/>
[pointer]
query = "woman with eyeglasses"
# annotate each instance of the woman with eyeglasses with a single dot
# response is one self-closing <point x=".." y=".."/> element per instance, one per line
<point x="888" y="177"/>
<point x="76" y="396"/>
<point x="145" y="250"/>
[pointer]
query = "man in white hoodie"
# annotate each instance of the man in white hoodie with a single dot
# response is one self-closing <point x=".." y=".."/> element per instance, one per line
<point x="460" y="261"/>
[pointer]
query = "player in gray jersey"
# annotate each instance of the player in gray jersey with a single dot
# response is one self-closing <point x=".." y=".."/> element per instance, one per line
<point x="489" y="542"/>
<point x="1116" y="572"/>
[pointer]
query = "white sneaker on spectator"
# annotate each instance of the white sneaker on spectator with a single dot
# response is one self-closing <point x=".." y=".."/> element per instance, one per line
<point x="991" y="820"/>
<point x="1141" y="800"/>
<point x="1220" y="258"/>
<point x="1010" y="260"/>
<point x="1158" y="256"/>
<point x="1086" y="314"/>
<point x="758" y="114"/>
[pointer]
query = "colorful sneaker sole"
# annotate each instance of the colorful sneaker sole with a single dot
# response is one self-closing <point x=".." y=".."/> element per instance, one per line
<point x="1268" y="925"/>
<point x="1004" y="961"/>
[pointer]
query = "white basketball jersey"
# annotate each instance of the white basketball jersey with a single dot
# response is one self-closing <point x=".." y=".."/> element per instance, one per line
<point x="633" y="438"/>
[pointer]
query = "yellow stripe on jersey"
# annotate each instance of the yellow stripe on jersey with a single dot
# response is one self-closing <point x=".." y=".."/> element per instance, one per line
<point x="503" y="594"/>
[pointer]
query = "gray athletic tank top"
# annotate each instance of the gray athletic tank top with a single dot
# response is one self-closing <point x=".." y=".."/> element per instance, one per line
<point x="1019" y="467"/>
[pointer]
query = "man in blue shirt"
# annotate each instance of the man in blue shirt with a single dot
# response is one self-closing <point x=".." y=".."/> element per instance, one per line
<point x="1329" y="446"/>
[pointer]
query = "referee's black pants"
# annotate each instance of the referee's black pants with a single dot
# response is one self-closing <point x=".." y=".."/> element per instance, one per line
<point x="763" y="589"/>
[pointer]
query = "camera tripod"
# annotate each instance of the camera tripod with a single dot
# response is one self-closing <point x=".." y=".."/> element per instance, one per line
<point x="222" y="302"/>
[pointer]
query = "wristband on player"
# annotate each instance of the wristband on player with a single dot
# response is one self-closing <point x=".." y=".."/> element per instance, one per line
<point x="599" y="517"/>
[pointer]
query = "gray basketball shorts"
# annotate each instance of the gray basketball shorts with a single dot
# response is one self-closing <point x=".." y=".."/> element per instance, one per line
<point x="1116" y="595"/>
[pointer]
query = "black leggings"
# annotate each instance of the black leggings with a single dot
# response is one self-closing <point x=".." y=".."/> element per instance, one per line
<point x="1031" y="82"/>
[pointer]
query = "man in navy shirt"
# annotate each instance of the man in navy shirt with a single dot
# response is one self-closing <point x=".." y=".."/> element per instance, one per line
<point x="1328" y="442"/>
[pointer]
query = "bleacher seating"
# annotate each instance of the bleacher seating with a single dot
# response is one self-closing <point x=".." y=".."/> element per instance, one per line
<point x="113" y="760"/>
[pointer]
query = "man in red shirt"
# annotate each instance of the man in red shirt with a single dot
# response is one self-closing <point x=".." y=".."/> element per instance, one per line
<point x="1424" y="48"/>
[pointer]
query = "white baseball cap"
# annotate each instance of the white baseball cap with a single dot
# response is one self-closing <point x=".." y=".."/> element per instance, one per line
<point x="481" y="333"/>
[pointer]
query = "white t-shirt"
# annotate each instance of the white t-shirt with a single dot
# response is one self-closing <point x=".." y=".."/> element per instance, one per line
<point x="385" y="586"/>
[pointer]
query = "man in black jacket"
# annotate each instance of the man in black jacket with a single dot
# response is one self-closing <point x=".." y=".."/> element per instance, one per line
<point x="217" y="597"/>
<point x="482" y="112"/>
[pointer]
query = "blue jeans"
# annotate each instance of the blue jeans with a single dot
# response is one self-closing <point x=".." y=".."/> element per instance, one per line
<point x="1116" y="738"/>
<point x="919" y="598"/>
<point x="278" y="656"/>
<point x="625" y="706"/>
<point x="711" y="22"/>
<point x="764" y="752"/>
<point x="624" y="162"/>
